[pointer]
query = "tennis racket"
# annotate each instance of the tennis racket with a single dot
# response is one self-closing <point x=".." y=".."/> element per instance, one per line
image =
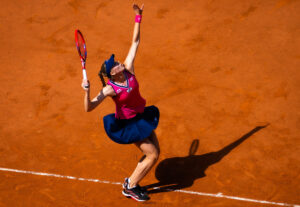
<point x="81" y="48"/>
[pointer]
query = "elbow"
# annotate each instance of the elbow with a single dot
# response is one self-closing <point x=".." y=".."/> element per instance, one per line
<point x="87" y="109"/>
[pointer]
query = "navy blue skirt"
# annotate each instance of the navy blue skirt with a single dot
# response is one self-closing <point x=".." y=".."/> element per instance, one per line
<point x="127" y="131"/>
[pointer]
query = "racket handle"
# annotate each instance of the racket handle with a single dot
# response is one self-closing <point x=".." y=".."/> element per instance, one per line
<point x="84" y="74"/>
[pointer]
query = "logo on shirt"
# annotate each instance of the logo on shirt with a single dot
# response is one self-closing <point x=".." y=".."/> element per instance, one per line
<point x="119" y="90"/>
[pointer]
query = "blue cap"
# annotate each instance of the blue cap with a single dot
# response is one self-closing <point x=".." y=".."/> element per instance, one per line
<point x="109" y="64"/>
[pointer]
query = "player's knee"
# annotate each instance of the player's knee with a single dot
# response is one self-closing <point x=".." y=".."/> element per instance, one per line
<point x="155" y="155"/>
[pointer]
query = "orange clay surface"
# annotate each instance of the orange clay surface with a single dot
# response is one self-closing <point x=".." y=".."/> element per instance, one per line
<point x="223" y="72"/>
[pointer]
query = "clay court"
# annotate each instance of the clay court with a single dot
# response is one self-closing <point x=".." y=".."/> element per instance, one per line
<point x="223" y="73"/>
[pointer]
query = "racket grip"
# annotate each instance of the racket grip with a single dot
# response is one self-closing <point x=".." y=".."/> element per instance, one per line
<point x="84" y="74"/>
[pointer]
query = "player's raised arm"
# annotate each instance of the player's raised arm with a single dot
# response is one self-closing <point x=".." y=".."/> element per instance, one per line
<point x="135" y="39"/>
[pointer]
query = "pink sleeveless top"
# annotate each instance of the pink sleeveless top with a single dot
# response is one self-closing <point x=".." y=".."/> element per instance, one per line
<point x="128" y="100"/>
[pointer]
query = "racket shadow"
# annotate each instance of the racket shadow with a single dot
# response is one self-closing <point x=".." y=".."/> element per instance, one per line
<point x="181" y="172"/>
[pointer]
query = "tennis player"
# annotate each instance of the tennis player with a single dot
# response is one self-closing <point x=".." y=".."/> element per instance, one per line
<point x="133" y="122"/>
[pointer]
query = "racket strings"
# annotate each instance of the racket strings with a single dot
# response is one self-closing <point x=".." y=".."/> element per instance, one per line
<point x="81" y="46"/>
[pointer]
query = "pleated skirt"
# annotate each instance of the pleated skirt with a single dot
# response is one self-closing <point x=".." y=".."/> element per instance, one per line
<point x="127" y="131"/>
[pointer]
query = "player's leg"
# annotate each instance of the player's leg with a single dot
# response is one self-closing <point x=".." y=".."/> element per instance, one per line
<point x="150" y="148"/>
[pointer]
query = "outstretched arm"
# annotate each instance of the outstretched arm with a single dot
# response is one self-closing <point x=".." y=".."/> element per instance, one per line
<point x="135" y="39"/>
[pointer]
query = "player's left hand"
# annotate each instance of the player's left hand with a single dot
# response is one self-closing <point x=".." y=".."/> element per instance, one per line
<point x="137" y="9"/>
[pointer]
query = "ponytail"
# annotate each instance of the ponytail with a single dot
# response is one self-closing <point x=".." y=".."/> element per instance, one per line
<point x="102" y="79"/>
<point x="102" y="73"/>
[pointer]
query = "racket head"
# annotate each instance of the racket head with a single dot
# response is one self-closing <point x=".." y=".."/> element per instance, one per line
<point x="80" y="45"/>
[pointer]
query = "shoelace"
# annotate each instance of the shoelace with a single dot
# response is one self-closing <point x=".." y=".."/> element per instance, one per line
<point x="142" y="189"/>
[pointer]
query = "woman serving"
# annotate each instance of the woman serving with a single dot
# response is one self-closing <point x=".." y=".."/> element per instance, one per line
<point x="133" y="122"/>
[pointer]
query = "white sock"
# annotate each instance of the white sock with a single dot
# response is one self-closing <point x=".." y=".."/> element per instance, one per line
<point x="129" y="183"/>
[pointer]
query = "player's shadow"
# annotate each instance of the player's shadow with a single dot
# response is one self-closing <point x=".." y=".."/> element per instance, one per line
<point x="181" y="172"/>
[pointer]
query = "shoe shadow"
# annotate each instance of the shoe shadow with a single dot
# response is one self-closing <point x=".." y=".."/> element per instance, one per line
<point x="181" y="172"/>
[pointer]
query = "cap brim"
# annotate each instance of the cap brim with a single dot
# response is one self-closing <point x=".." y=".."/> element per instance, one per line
<point x="109" y="64"/>
<point x="111" y="61"/>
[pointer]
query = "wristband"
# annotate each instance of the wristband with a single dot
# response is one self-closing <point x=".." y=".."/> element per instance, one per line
<point x="138" y="18"/>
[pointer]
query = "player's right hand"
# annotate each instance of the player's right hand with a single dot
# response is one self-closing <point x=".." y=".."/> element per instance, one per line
<point x="85" y="84"/>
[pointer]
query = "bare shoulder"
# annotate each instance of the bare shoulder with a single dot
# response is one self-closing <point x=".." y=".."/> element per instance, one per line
<point x="108" y="91"/>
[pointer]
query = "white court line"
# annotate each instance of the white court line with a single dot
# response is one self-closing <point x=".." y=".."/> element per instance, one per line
<point x="218" y="195"/>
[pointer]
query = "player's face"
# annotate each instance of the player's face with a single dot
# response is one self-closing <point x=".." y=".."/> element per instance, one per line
<point x="117" y="68"/>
